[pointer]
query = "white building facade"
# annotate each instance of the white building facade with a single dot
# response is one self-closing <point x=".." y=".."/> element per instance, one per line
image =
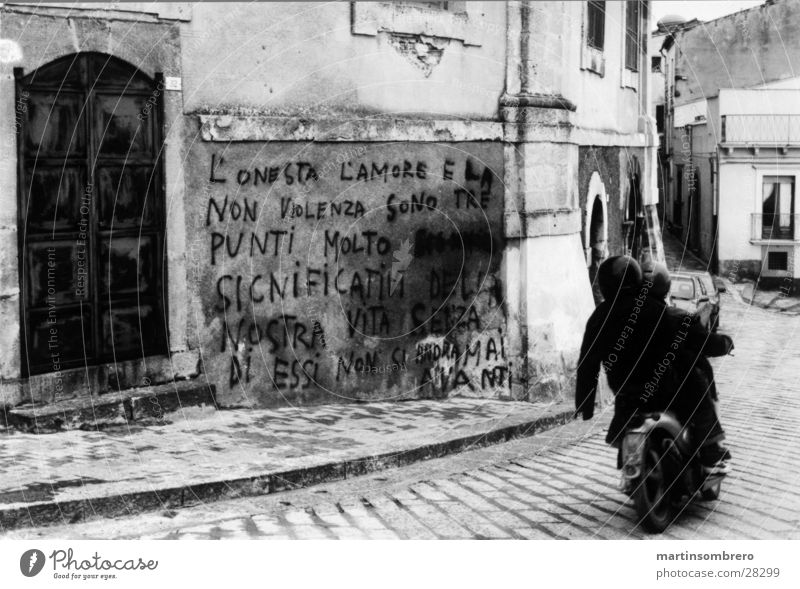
<point x="730" y="155"/>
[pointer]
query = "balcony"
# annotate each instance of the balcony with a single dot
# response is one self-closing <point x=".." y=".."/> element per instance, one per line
<point x="761" y="129"/>
<point x="774" y="228"/>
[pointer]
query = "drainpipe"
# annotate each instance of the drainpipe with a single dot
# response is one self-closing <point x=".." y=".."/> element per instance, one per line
<point x="667" y="163"/>
<point x="689" y="237"/>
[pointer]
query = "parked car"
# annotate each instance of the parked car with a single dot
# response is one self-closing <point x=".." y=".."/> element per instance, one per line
<point x="696" y="292"/>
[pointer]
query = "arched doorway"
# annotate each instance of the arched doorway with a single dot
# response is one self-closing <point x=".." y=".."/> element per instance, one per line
<point x="597" y="245"/>
<point x="91" y="214"/>
<point x="634" y="223"/>
<point x="595" y="237"/>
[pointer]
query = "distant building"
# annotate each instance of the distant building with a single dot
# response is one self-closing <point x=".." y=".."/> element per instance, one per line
<point x="731" y="151"/>
<point x="662" y="80"/>
<point x="315" y="202"/>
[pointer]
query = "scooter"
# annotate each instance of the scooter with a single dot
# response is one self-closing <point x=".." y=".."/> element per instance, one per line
<point x="661" y="471"/>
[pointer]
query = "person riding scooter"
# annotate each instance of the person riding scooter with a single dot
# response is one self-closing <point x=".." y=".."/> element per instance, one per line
<point x="637" y="342"/>
<point x="697" y="388"/>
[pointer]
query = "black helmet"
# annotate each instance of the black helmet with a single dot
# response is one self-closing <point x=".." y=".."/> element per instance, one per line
<point x="658" y="275"/>
<point x="618" y="274"/>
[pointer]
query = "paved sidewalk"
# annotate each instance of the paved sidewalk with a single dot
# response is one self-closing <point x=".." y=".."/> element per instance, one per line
<point x="74" y="475"/>
<point x="553" y="485"/>
<point x="773" y="300"/>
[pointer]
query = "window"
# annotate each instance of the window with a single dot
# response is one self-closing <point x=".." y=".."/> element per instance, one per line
<point x="778" y="260"/>
<point x="708" y="285"/>
<point x="632" y="40"/>
<point x="91" y="214"/>
<point x="703" y="291"/>
<point x="777" y="208"/>
<point x="655" y="64"/>
<point x="682" y="288"/>
<point x="596" y="25"/>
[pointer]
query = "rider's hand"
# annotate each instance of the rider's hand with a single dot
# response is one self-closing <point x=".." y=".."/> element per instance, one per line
<point x="728" y="344"/>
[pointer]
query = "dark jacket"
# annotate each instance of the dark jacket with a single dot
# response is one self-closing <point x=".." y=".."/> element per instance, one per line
<point x="639" y="341"/>
<point x="695" y="349"/>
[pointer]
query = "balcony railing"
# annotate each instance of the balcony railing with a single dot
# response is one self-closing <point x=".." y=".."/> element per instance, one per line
<point x="761" y="129"/>
<point x="775" y="227"/>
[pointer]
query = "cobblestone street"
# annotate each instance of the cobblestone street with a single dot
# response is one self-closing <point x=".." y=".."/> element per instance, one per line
<point x="558" y="484"/>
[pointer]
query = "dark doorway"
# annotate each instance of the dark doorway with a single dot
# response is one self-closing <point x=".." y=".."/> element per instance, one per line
<point x="597" y="245"/>
<point x="634" y="225"/>
<point x="91" y="214"/>
<point x="677" y="203"/>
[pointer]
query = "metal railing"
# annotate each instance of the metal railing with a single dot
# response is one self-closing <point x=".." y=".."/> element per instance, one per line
<point x="769" y="129"/>
<point x="775" y="227"/>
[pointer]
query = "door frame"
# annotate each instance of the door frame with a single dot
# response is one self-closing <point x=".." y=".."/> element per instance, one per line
<point x="161" y="309"/>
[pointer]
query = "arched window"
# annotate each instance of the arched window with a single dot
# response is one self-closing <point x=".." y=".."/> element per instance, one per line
<point x="91" y="214"/>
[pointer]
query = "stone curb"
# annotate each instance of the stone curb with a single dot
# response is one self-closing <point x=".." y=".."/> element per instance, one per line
<point x="793" y="309"/>
<point x="126" y="504"/>
<point x="746" y="299"/>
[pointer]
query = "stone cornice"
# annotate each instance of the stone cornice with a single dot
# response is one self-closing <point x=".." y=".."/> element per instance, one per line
<point x="227" y="128"/>
<point x="538" y="101"/>
<point x="232" y="128"/>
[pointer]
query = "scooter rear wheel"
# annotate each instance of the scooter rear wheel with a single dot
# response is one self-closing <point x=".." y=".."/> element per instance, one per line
<point x="651" y="497"/>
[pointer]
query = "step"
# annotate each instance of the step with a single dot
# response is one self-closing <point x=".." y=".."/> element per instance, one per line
<point x="146" y="406"/>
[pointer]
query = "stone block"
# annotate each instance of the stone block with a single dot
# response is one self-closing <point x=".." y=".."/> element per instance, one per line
<point x="9" y="337"/>
<point x="11" y="393"/>
<point x="158" y="401"/>
<point x="305" y="477"/>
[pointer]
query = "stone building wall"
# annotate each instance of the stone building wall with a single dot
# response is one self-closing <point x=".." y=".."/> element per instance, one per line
<point x="363" y="202"/>
<point x="741" y="50"/>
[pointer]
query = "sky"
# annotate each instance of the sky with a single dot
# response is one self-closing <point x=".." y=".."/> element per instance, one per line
<point x="704" y="10"/>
